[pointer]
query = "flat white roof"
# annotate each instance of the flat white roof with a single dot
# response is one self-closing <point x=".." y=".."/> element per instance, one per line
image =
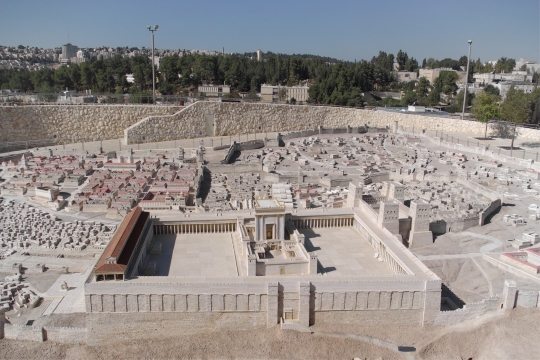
<point x="268" y="203"/>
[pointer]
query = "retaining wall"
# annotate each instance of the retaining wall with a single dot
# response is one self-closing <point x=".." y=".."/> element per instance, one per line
<point x="224" y="119"/>
<point x="19" y="123"/>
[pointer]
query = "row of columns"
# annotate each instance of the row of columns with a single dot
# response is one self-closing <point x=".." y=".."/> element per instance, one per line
<point x="389" y="259"/>
<point x="194" y="228"/>
<point x="322" y="223"/>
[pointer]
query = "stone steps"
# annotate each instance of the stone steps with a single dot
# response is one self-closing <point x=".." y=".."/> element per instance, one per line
<point x="291" y="325"/>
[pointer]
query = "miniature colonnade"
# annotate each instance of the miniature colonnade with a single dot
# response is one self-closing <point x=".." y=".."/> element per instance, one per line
<point x="194" y="228"/>
<point x="312" y="223"/>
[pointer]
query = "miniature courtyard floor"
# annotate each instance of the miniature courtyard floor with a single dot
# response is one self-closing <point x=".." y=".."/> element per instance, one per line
<point x="195" y="255"/>
<point x="342" y="251"/>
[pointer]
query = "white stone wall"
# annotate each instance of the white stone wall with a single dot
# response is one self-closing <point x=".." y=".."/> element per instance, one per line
<point x="246" y="118"/>
<point x="19" y="123"/>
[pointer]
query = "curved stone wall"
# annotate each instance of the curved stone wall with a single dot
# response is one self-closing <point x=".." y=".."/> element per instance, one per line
<point x="244" y="118"/>
<point x="19" y="123"/>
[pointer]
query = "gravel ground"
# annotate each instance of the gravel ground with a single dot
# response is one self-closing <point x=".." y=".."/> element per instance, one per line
<point x="496" y="335"/>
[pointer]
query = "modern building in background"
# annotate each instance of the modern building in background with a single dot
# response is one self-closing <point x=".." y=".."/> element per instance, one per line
<point x="519" y="80"/>
<point x="214" y="90"/>
<point x="271" y="93"/>
<point x="432" y="74"/>
<point x="69" y="51"/>
<point x="259" y="55"/>
<point x="531" y="66"/>
<point x="406" y="76"/>
<point x="504" y="86"/>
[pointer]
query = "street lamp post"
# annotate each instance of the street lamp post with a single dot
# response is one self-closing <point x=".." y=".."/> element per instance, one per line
<point x="466" y="81"/>
<point x="153" y="70"/>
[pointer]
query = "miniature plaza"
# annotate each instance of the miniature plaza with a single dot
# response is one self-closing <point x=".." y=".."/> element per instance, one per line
<point x="296" y="230"/>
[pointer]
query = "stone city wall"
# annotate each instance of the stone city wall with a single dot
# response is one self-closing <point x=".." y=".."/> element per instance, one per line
<point x="492" y="208"/>
<point x="22" y="332"/>
<point x="157" y="326"/>
<point x="407" y="298"/>
<point x="469" y="311"/>
<point x="19" y="123"/>
<point x="62" y="335"/>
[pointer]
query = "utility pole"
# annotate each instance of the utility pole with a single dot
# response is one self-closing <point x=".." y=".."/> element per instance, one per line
<point x="466" y="81"/>
<point x="153" y="70"/>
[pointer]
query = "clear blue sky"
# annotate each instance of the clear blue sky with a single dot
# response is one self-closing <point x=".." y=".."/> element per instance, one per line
<point x="344" y="29"/>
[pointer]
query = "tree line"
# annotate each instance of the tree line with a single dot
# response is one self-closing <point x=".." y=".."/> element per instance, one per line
<point x="241" y="71"/>
<point x="331" y="81"/>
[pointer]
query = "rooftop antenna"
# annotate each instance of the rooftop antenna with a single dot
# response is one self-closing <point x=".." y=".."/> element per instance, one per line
<point x="68" y="35"/>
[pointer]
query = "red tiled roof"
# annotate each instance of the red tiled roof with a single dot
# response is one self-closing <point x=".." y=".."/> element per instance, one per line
<point x="123" y="242"/>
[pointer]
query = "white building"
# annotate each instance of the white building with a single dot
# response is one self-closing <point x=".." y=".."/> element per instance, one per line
<point x="504" y="86"/>
<point x="488" y="78"/>
<point x="271" y="93"/>
<point x="531" y="66"/>
<point x="214" y="90"/>
<point x="405" y="76"/>
<point x="68" y="51"/>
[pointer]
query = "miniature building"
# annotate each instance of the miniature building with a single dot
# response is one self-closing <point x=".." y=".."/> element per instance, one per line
<point x="250" y="263"/>
<point x="389" y="216"/>
<point x="117" y="257"/>
<point x="529" y="238"/>
<point x="355" y="195"/>
<point x="420" y="234"/>
<point x="528" y="260"/>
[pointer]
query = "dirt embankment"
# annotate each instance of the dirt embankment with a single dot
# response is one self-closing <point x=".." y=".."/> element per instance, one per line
<point x="499" y="335"/>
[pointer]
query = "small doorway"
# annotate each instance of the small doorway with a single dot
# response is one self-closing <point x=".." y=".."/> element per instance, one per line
<point x="269" y="232"/>
<point x="282" y="270"/>
<point x="209" y="120"/>
<point x="288" y="314"/>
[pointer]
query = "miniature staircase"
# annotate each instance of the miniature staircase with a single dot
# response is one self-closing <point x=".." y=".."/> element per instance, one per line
<point x="293" y="325"/>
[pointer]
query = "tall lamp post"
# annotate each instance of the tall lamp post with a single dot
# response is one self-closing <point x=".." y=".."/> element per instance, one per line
<point x="466" y="81"/>
<point x="153" y="70"/>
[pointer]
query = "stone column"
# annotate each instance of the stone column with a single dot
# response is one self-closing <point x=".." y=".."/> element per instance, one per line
<point x="281" y="221"/>
<point x="272" y="316"/>
<point x="257" y="228"/>
<point x="303" y="313"/>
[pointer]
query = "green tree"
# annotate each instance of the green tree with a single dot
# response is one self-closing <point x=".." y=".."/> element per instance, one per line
<point x="490" y="89"/>
<point x="434" y="96"/>
<point x="408" y="98"/>
<point x="486" y="107"/>
<point x="282" y="94"/>
<point x="422" y="88"/>
<point x="536" y="112"/>
<point x="402" y="59"/>
<point x="505" y="65"/>
<point x="447" y="82"/>
<point x="517" y="106"/>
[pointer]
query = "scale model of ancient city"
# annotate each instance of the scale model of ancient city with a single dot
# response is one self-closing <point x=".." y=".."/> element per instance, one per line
<point x="220" y="216"/>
